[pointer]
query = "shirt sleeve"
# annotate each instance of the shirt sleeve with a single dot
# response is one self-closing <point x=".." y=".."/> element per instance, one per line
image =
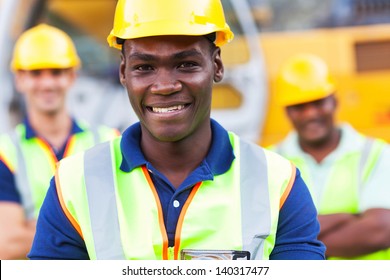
<point x="297" y="233"/>
<point x="8" y="190"/>
<point x="298" y="227"/>
<point x="376" y="191"/>
<point x="56" y="238"/>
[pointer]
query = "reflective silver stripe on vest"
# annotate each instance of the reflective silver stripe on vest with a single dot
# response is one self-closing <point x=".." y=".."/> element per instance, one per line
<point x="255" y="204"/>
<point x="21" y="178"/>
<point x="100" y="186"/>
<point x="95" y="134"/>
<point x="279" y="149"/>
<point x="366" y="151"/>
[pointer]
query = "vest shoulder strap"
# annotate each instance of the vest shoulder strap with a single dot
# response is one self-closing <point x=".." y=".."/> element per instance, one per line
<point x="21" y="178"/>
<point x="100" y="186"/>
<point x="370" y="154"/>
<point x="254" y="187"/>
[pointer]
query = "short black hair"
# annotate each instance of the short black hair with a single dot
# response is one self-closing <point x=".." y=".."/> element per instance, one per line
<point x="210" y="37"/>
<point x="121" y="42"/>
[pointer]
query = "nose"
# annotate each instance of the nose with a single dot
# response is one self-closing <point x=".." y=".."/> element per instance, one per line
<point x="47" y="78"/>
<point x="309" y="110"/>
<point x="165" y="83"/>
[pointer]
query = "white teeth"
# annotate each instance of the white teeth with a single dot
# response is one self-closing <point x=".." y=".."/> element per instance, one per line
<point x="168" y="109"/>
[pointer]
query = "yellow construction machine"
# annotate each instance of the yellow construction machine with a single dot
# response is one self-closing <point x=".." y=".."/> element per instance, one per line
<point x="353" y="36"/>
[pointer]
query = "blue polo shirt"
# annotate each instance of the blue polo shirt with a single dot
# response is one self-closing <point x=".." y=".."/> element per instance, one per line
<point x="8" y="190"/>
<point x="298" y="227"/>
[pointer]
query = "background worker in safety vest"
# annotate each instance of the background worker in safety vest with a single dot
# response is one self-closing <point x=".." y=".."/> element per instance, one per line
<point x="176" y="181"/>
<point x="346" y="172"/>
<point x="44" y="63"/>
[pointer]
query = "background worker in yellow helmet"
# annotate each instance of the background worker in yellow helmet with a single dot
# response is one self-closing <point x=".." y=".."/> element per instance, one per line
<point x="346" y="172"/>
<point x="176" y="181"/>
<point x="44" y="63"/>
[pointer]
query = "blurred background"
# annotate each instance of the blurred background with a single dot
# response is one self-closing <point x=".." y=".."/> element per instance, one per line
<point x="353" y="36"/>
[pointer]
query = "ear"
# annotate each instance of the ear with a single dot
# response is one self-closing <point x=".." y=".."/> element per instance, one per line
<point x="122" y="71"/>
<point x="72" y="75"/>
<point x="287" y="111"/>
<point x="19" y="81"/>
<point x="335" y="101"/>
<point x="218" y="65"/>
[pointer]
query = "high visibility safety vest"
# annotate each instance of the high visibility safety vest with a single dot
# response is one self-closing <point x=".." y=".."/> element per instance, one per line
<point x="343" y="188"/>
<point x="33" y="162"/>
<point x="119" y="214"/>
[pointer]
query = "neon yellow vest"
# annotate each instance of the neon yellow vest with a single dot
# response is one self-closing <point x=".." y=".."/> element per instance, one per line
<point x="119" y="214"/>
<point x="342" y="190"/>
<point x="33" y="162"/>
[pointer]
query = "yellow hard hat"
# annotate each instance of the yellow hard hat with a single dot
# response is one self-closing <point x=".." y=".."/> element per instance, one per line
<point x="144" y="18"/>
<point x="303" y="78"/>
<point x="44" y="47"/>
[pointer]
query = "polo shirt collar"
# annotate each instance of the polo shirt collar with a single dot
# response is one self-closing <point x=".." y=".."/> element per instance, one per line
<point x="350" y="141"/>
<point x="218" y="159"/>
<point x="31" y="133"/>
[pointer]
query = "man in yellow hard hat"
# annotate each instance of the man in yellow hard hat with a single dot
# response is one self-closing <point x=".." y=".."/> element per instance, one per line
<point x="44" y="64"/>
<point x="346" y="172"/>
<point x="176" y="185"/>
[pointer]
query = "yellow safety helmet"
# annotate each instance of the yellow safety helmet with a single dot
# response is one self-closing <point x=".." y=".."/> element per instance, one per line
<point x="303" y="78"/>
<point x="144" y="18"/>
<point x="44" y="47"/>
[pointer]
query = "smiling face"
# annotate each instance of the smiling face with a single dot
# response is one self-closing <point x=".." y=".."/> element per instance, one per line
<point x="45" y="89"/>
<point x="169" y="81"/>
<point x="314" y="121"/>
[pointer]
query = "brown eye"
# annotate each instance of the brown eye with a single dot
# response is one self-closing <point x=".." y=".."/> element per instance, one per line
<point x="57" y="72"/>
<point x="35" y="73"/>
<point x="319" y="103"/>
<point x="187" y="65"/>
<point x="143" y="68"/>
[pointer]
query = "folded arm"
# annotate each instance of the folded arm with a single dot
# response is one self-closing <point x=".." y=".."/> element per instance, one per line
<point x="348" y="235"/>
<point x="16" y="233"/>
